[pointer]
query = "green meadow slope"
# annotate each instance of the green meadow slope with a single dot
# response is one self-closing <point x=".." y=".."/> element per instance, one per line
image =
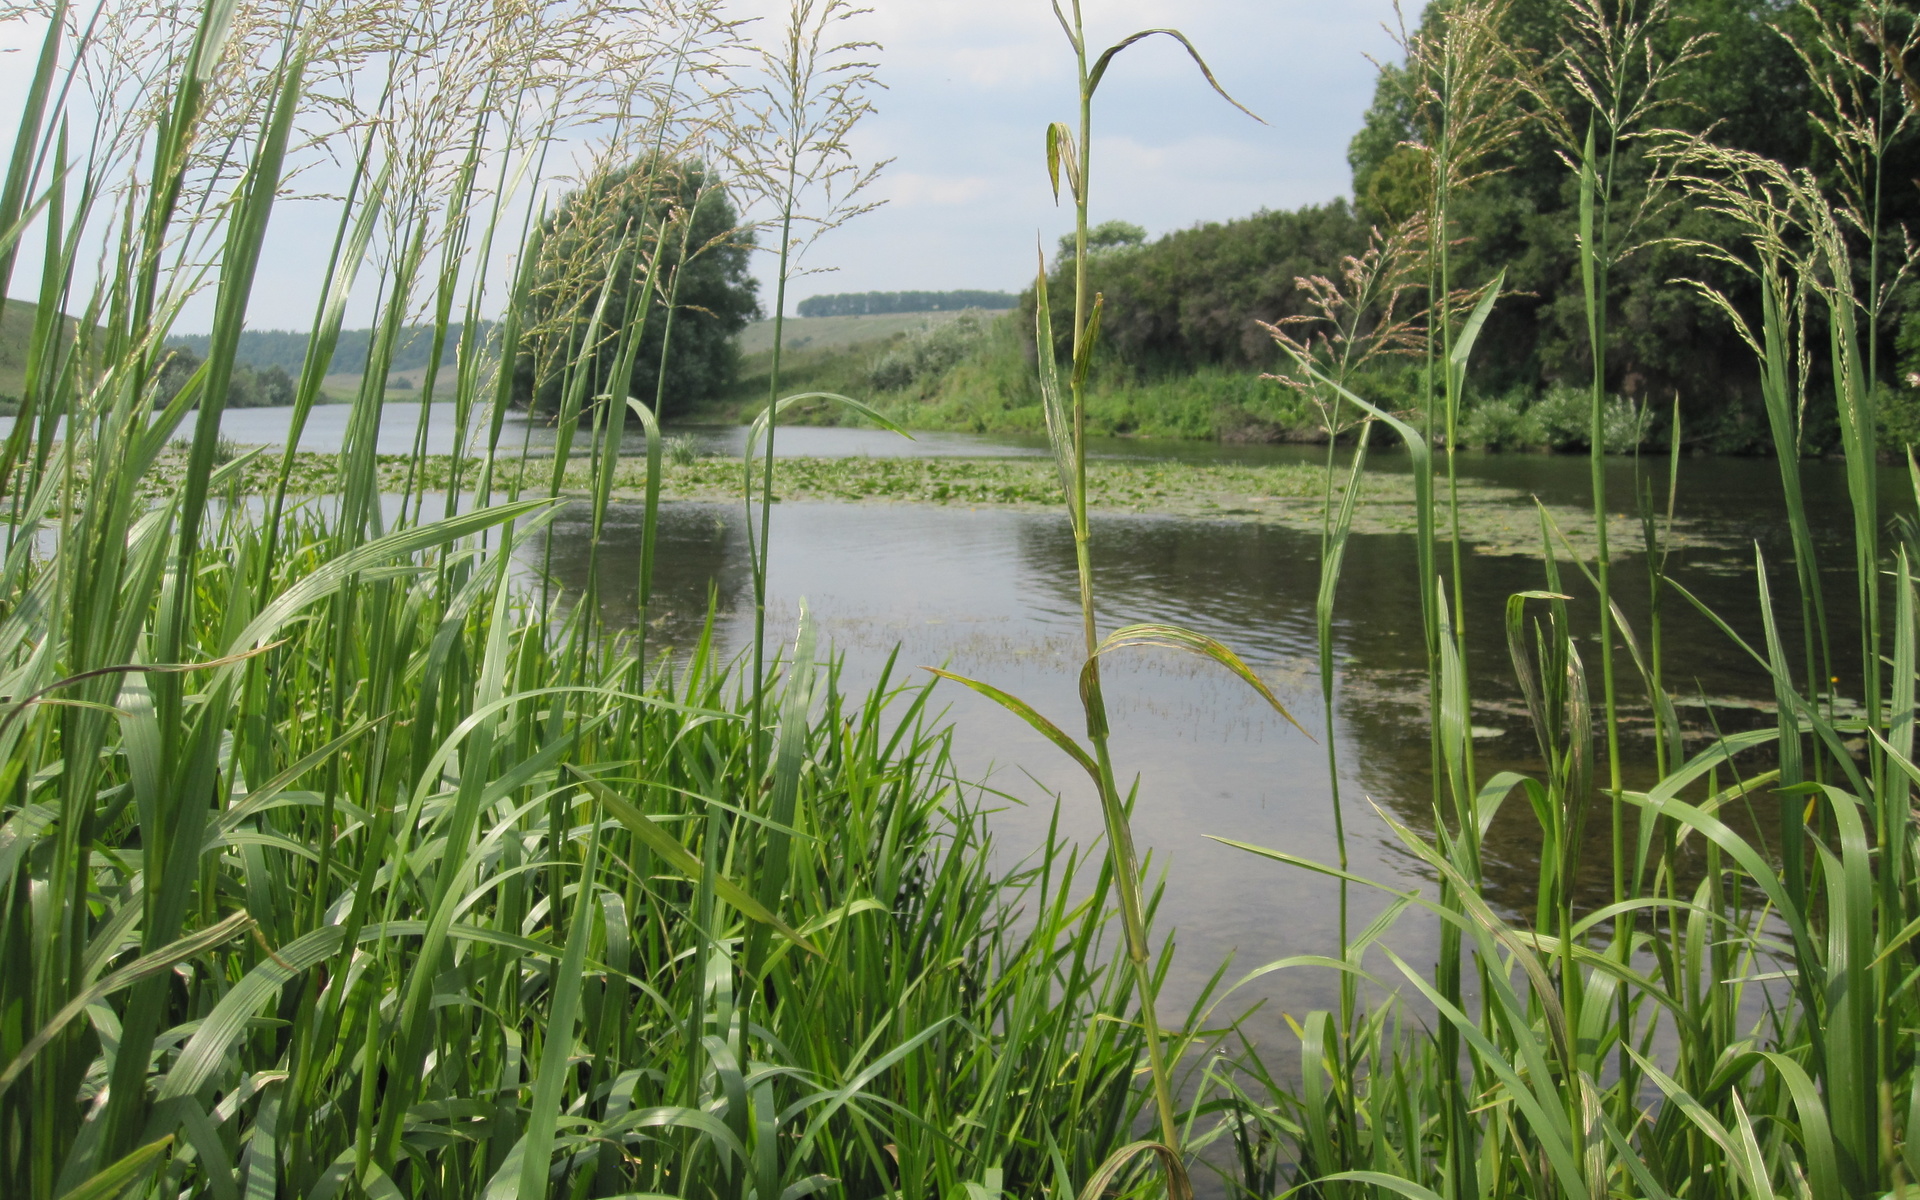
<point x="16" y="327"/>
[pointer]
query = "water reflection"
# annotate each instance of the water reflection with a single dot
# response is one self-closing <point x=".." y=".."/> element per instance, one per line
<point x="994" y="594"/>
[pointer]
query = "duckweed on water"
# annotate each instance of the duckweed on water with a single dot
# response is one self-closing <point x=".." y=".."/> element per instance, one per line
<point x="1494" y="520"/>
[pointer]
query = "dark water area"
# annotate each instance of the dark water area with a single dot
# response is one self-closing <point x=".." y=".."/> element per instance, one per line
<point x="993" y="594"/>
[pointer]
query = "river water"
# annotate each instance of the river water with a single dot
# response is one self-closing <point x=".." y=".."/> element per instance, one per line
<point x="992" y="594"/>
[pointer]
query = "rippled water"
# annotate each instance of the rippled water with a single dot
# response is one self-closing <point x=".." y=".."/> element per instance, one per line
<point x="992" y="593"/>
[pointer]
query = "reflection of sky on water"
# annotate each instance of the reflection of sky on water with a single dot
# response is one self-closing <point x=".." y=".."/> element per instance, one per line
<point x="993" y="594"/>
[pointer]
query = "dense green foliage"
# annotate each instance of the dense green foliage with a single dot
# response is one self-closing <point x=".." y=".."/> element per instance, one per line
<point x="247" y="387"/>
<point x="978" y="378"/>
<point x="848" y="304"/>
<point x="342" y="856"/>
<point x="338" y="860"/>
<point x="1752" y="89"/>
<point x="1189" y="299"/>
<point x="1103" y="238"/>
<point x="674" y="216"/>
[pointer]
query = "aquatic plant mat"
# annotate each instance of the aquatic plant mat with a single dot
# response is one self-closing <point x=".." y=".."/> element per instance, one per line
<point x="1493" y="519"/>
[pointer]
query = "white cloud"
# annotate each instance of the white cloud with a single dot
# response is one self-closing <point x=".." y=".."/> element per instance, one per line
<point x="910" y="188"/>
<point x="974" y="83"/>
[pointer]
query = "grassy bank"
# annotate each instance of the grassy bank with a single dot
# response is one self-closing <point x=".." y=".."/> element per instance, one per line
<point x="337" y="861"/>
<point x="975" y="375"/>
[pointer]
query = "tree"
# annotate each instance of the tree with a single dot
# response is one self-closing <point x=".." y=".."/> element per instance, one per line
<point x="1106" y="236"/>
<point x="248" y="387"/>
<point x="862" y="304"/>
<point x="1192" y="298"/>
<point x="642" y="216"/>
<point x="1750" y="91"/>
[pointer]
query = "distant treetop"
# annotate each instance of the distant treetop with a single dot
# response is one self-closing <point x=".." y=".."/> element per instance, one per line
<point x="1108" y="235"/>
<point x="264" y="349"/>
<point x="866" y="304"/>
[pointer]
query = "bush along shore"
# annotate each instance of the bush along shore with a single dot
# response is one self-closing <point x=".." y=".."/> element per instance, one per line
<point x="975" y="375"/>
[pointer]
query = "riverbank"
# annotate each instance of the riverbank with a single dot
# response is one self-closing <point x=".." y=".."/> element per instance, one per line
<point x="1492" y="519"/>
<point x="974" y="373"/>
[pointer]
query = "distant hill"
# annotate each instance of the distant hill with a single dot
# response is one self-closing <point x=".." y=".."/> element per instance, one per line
<point x="823" y="333"/>
<point x="16" y="331"/>
<point x="264" y="348"/>
<point x="867" y="304"/>
<point x="16" y="326"/>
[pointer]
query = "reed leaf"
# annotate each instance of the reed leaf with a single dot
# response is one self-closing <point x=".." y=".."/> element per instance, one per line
<point x="1172" y="637"/>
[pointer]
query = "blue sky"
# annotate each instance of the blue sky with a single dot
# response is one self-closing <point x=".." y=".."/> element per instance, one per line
<point x="971" y="87"/>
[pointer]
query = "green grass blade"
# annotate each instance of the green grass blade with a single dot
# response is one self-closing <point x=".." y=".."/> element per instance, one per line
<point x="682" y="861"/>
<point x="1172" y="637"/>
<point x="112" y="1182"/>
<point x="1026" y="712"/>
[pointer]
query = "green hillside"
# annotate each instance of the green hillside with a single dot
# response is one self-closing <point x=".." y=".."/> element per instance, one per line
<point x="829" y="333"/>
<point x="16" y="328"/>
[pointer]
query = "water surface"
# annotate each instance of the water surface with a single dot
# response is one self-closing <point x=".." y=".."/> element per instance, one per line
<point x="993" y="594"/>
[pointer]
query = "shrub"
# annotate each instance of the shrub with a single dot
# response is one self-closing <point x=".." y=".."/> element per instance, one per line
<point x="1625" y="425"/>
<point x="1506" y="423"/>
<point x="1564" y="415"/>
<point x="1560" y="419"/>
<point x="927" y="355"/>
<point x="1898" y="412"/>
<point x="225" y="449"/>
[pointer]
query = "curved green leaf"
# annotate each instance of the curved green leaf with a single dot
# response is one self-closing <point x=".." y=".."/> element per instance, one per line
<point x="1816" y="1136"/>
<point x="1026" y="712"/>
<point x="1100" y="68"/>
<point x="1470" y="332"/>
<point x="146" y="966"/>
<point x="1172" y="637"/>
<point x="1179" y="1187"/>
<point x="668" y="847"/>
<point x="759" y="426"/>
<point x="1393" y="1183"/>
<point x="113" y="1181"/>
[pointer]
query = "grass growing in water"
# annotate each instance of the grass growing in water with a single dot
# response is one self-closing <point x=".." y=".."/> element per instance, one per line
<point x="335" y="864"/>
<point x="1735" y="1021"/>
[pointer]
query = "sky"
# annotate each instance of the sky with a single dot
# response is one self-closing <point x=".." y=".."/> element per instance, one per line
<point x="971" y="86"/>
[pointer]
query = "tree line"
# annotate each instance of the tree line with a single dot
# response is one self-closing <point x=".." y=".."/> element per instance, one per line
<point x="1195" y="298"/>
<point x="287" y="350"/>
<point x="863" y="304"/>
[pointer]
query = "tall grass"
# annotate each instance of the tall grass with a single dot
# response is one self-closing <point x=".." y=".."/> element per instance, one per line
<point x="338" y="859"/>
<point x="333" y="861"/>
<point x="1734" y="1017"/>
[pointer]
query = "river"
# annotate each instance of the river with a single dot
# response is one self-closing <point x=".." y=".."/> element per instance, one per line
<point x="992" y="594"/>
